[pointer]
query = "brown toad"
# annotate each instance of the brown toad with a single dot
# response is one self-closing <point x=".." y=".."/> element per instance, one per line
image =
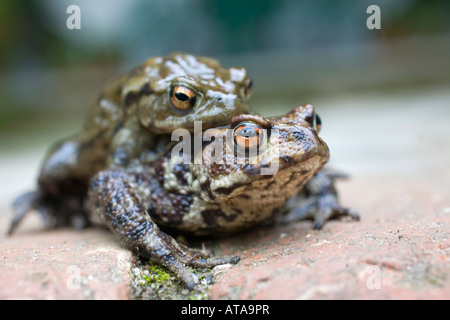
<point x="127" y="118"/>
<point x="250" y="171"/>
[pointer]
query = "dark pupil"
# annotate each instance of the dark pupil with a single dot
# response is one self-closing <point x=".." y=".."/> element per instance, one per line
<point x="181" y="96"/>
<point x="318" y="120"/>
<point x="248" y="132"/>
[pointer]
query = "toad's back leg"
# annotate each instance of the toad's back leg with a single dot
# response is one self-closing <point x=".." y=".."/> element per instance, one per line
<point x="65" y="172"/>
<point x="115" y="200"/>
<point x="62" y="186"/>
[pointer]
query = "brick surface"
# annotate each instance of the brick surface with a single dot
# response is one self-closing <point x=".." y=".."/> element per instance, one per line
<point x="399" y="250"/>
<point x="62" y="264"/>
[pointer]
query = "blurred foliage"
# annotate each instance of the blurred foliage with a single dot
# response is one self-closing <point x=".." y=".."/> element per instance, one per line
<point x="28" y="32"/>
<point x="24" y="34"/>
<point x="420" y="17"/>
<point x="49" y="72"/>
<point x="242" y="22"/>
<point x="26" y="38"/>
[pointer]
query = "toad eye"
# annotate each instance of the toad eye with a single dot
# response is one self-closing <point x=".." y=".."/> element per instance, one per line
<point x="248" y="136"/>
<point x="248" y="83"/>
<point x="182" y="98"/>
<point x="317" y="123"/>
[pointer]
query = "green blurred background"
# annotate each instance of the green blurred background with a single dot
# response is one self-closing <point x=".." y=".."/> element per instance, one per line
<point x="295" y="51"/>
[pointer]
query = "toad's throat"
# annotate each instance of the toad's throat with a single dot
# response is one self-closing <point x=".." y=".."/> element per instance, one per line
<point x="251" y="204"/>
<point x="285" y="183"/>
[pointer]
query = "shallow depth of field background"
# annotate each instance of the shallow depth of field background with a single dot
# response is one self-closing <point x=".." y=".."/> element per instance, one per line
<point x="383" y="95"/>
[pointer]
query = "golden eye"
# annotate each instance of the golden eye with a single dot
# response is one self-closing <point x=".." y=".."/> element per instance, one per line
<point x="248" y="83"/>
<point x="248" y="136"/>
<point x="182" y="98"/>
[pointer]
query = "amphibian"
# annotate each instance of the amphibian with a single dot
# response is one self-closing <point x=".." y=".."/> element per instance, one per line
<point x="120" y="170"/>
<point x="128" y="117"/>
<point x="228" y="191"/>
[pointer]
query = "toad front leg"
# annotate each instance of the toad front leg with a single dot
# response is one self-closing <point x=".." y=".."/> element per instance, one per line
<point x="318" y="201"/>
<point x="114" y="199"/>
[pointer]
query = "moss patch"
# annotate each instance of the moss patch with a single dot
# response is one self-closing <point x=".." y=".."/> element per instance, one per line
<point x="153" y="282"/>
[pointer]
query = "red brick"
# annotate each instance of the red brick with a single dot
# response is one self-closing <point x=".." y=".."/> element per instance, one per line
<point x="62" y="264"/>
<point x="403" y="235"/>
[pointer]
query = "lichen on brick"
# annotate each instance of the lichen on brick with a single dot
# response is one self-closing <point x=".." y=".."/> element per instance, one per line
<point x="153" y="282"/>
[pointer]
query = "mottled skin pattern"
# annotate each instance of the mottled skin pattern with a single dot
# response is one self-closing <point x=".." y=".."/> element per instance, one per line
<point x="126" y="122"/>
<point x="215" y="198"/>
<point x="118" y="171"/>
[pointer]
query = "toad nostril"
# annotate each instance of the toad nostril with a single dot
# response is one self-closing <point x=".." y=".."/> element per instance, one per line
<point x="298" y="135"/>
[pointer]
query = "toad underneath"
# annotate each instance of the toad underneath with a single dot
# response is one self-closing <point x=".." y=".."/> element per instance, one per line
<point x="230" y="190"/>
